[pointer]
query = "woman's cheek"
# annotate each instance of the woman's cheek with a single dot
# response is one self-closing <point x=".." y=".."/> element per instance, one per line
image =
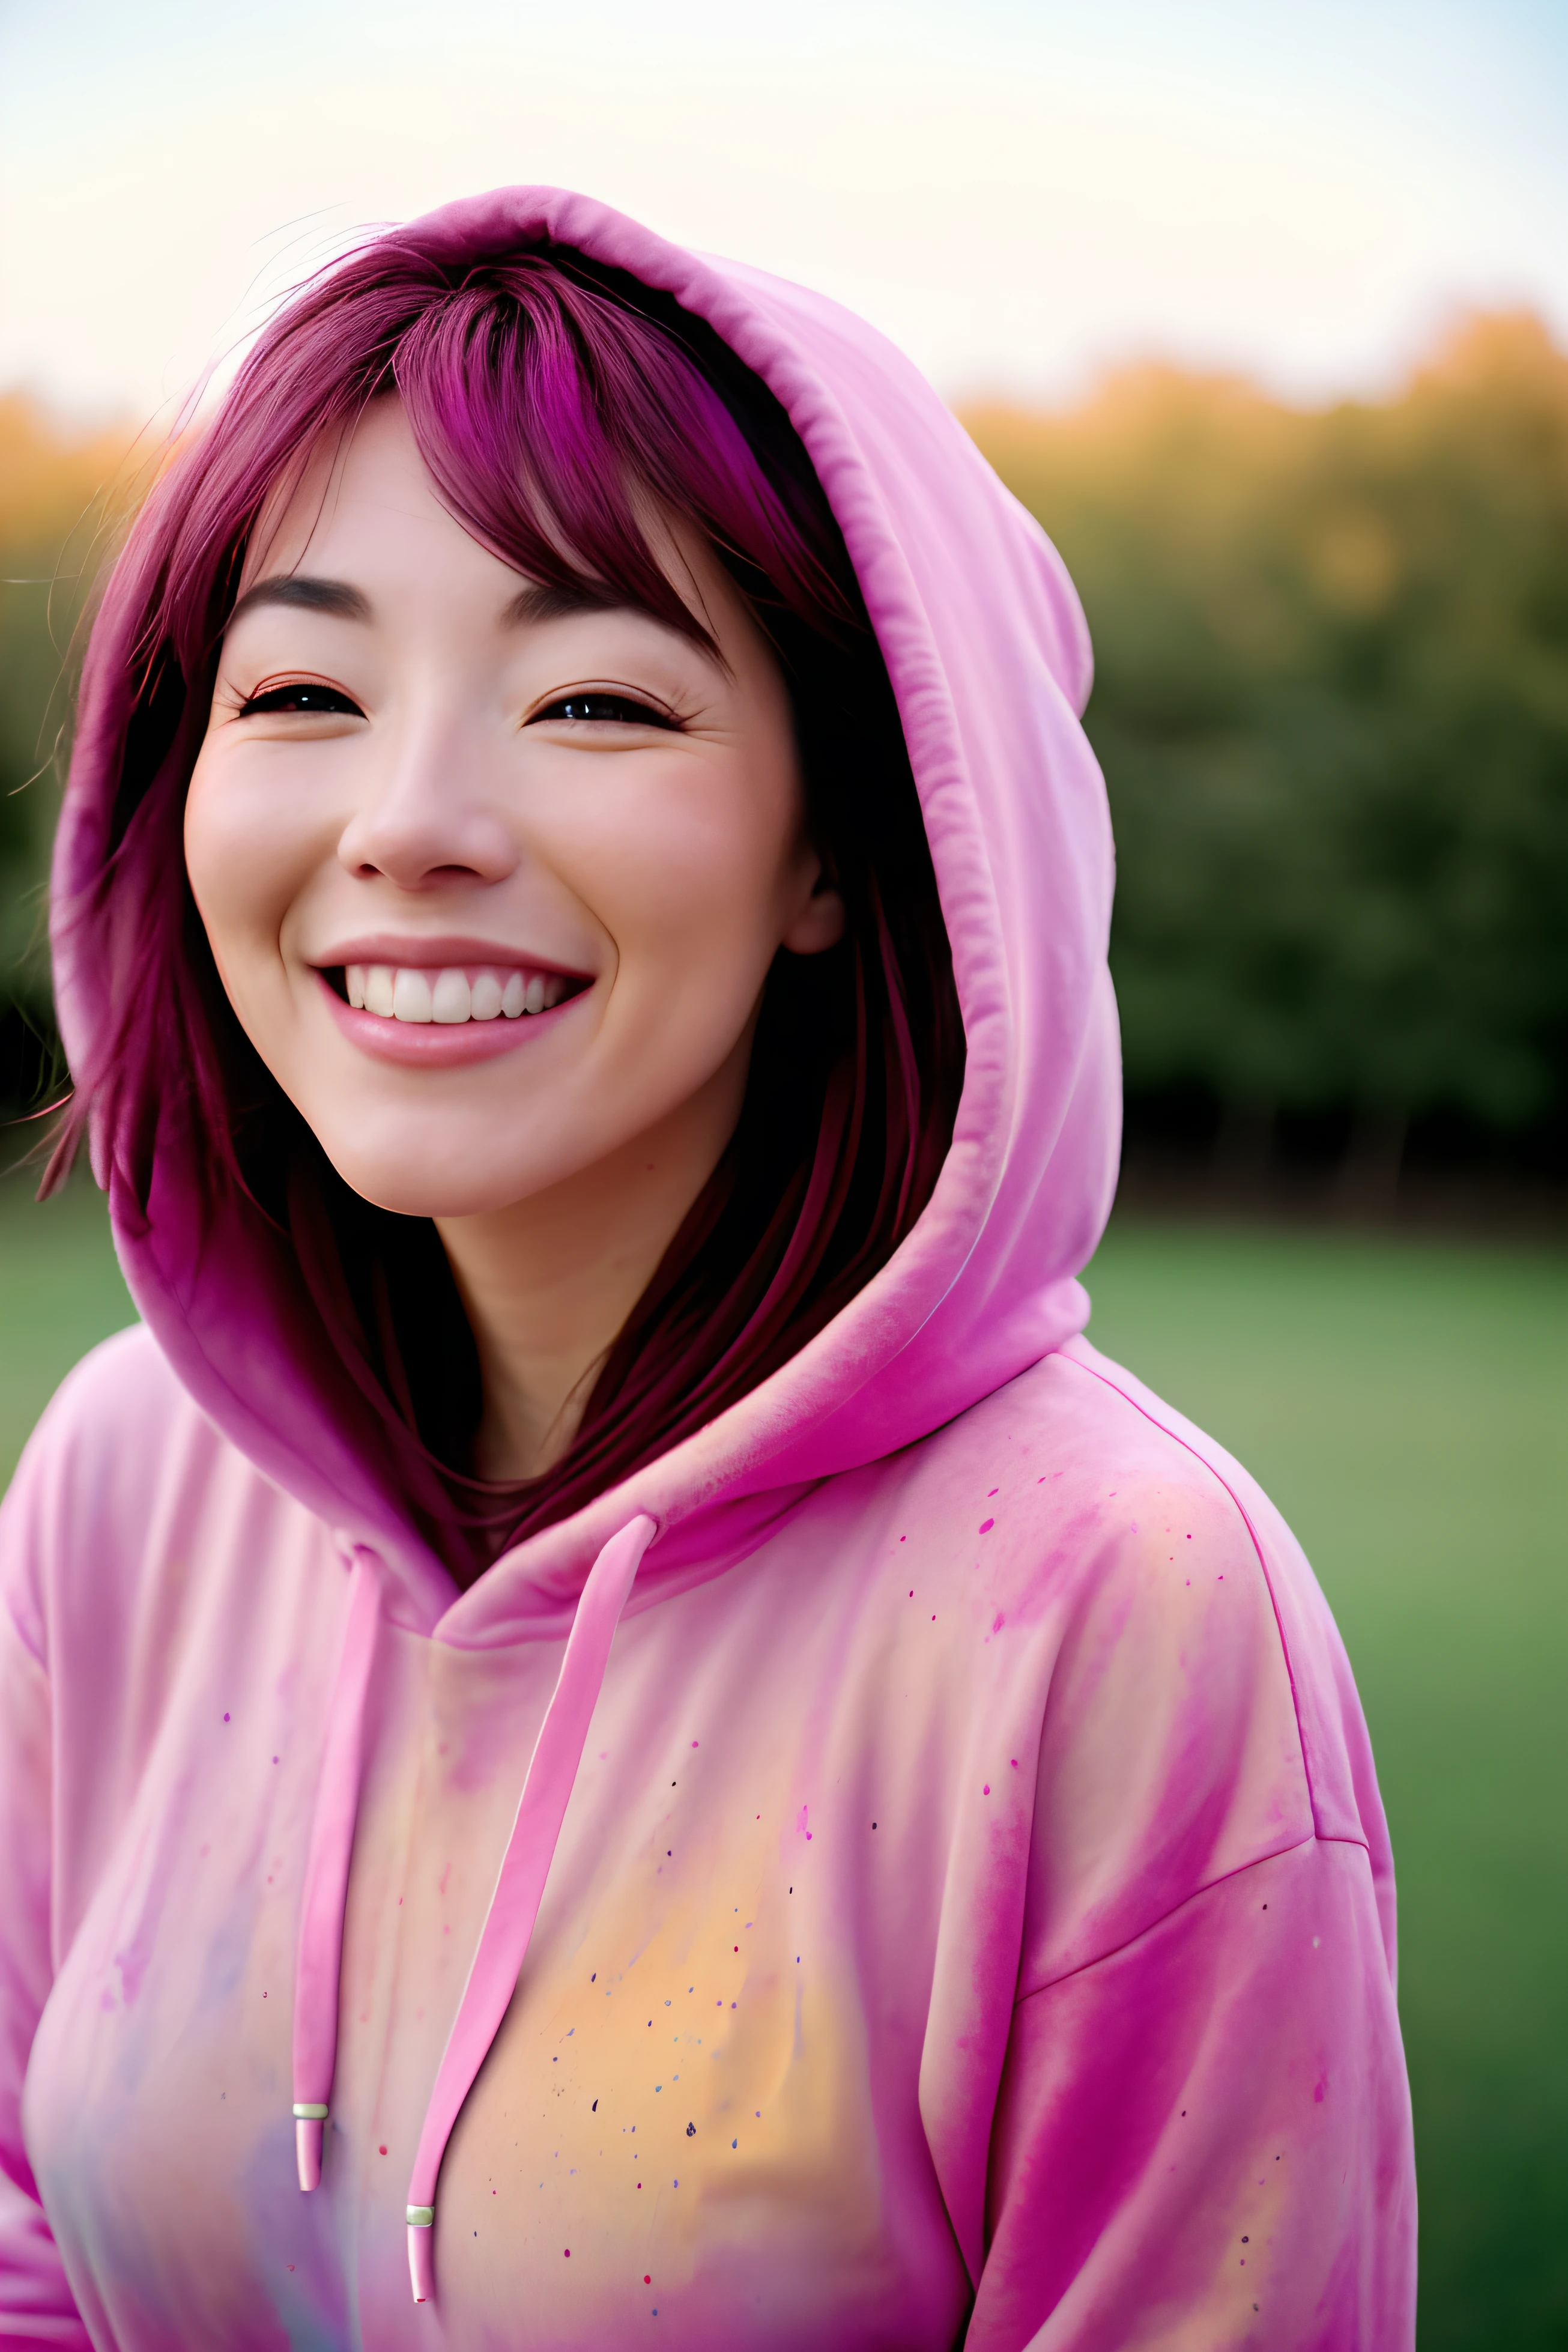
<point x="252" y="840"/>
<point x="684" y="871"/>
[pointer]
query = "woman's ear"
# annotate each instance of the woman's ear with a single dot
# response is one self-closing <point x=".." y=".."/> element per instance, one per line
<point x="820" y="923"/>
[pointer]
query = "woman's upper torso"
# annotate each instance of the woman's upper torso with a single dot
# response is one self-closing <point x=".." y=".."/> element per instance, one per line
<point x="972" y="1906"/>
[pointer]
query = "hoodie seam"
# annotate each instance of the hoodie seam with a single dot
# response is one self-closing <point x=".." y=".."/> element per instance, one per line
<point x="1277" y="1855"/>
<point x="1246" y="1517"/>
<point x="24" y="1641"/>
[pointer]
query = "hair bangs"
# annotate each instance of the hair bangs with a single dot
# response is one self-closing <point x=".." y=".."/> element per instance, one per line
<point x="551" y="433"/>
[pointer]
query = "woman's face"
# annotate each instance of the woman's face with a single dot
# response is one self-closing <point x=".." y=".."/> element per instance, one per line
<point x="493" y="885"/>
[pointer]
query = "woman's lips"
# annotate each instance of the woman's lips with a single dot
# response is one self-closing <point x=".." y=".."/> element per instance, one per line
<point x="427" y="1026"/>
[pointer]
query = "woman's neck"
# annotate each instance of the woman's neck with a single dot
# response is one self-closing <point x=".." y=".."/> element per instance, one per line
<point x="548" y="1282"/>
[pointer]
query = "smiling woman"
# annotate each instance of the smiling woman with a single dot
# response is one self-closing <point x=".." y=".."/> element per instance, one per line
<point x="607" y="1714"/>
<point x="449" y="800"/>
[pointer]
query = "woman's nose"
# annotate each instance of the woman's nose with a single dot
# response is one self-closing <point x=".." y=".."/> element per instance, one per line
<point x="428" y="820"/>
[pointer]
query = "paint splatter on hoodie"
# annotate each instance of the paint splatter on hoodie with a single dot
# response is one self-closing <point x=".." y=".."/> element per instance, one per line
<point x="904" y="1869"/>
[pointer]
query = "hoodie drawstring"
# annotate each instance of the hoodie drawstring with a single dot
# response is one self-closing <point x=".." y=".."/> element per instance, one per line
<point x="326" y="1863"/>
<point x="519" y="1885"/>
<point x="520" y="1882"/>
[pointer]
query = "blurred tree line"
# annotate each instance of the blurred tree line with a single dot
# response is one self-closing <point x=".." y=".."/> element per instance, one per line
<point x="1331" y="705"/>
<point x="58" y="489"/>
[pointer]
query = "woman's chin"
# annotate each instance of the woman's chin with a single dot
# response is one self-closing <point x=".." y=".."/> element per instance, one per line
<point x="412" y="1184"/>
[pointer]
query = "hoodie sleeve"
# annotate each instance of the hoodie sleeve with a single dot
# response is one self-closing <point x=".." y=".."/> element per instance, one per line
<point x="1202" y="2133"/>
<point x="1203" y="2138"/>
<point x="37" y="2306"/>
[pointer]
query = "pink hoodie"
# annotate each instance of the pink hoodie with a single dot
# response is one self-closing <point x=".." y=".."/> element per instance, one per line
<point x="904" y="1869"/>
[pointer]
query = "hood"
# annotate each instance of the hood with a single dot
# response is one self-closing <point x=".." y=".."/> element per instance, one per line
<point x="988" y="656"/>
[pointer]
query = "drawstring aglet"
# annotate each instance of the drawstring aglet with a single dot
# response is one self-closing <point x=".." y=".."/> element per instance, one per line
<point x="421" y="2254"/>
<point x="308" y="2117"/>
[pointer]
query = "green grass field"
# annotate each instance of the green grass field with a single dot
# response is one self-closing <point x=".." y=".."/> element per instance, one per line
<point x="1406" y="1405"/>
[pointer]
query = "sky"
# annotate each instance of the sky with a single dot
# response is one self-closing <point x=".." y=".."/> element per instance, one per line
<point x="1021" y="195"/>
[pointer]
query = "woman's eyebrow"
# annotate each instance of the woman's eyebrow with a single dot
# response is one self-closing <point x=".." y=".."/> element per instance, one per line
<point x="564" y="600"/>
<point x="303" y="592"/>
<point x="560" y="602"/>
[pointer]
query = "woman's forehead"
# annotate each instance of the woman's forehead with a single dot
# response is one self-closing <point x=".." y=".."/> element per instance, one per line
<point x="363" y="499"/>
<point x="331" y="492"/>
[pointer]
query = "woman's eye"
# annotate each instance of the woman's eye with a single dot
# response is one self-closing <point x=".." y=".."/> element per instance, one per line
<point x="614" y="710"/>
<point x="299" y="695"/>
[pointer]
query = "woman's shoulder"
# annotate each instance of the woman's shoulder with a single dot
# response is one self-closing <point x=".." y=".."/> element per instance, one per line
<point x="1197" y="1711"/>
<point x="121" y="1472"/>
<point x="1326" y="1707"/>
<point x="1075" y="1466"/>
<point x="124" y="1370"/>
<point x="1085" y="1473"/>
<point x="116" y="1415"/>
<point x="1175" y="1593"/>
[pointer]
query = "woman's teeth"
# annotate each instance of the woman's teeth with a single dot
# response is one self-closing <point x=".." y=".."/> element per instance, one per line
<point x="405" y="992"/>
